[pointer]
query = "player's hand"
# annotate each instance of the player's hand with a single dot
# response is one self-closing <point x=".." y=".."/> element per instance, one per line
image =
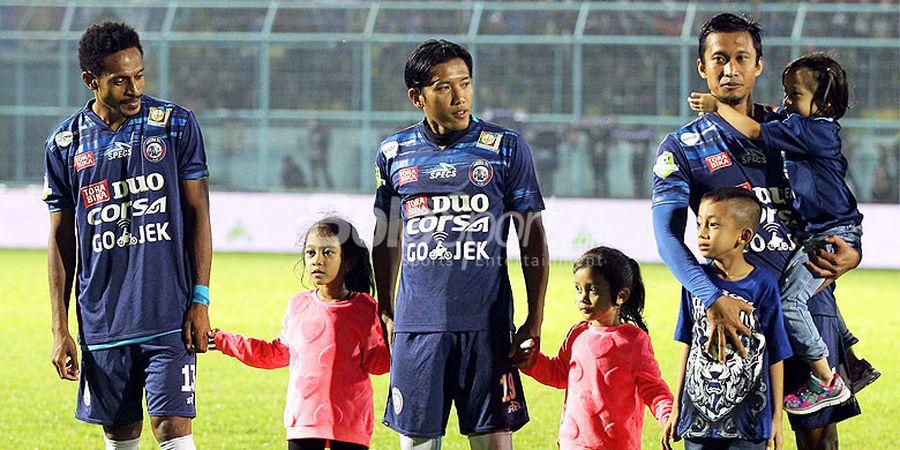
<point x="776" y="442"/>
<point x="825" y="264"/>
<point x="64" y="357"/>
<point x="196" y="328"/>
<point x="702" y="102"/>
<point x="523" y="353"/>
<point x="669" y="434"/>
<point x="387" y="327"/>
<point x="725" y="323"/>
<point x="211" y="339"/>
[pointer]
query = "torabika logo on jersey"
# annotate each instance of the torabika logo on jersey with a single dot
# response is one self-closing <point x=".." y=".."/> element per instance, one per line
<point x="154" y="149"/>
<point x="481" y="172"/>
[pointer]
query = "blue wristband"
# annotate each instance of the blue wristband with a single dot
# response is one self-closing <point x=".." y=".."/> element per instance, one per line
<point x="201" y="294"/>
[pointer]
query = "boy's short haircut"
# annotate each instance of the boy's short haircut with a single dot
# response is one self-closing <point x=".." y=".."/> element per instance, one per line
<point x="744" y="205"/>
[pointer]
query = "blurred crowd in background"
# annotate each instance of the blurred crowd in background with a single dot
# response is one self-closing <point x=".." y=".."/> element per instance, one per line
<point x="310" y="118"/>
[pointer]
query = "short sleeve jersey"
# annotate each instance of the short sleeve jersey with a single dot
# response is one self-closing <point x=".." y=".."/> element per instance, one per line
<point x="455" y="205"/>
<point x="732" y="400"/>
<point x="709" y="154"/>
<point x="816" y="169"/>
<point x="134" y="278"/>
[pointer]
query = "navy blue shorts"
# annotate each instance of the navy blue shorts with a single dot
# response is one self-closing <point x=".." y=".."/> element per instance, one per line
<point x="471" y="368"/>
<point x="796" y="372"/>
<point x="113" y="381"/>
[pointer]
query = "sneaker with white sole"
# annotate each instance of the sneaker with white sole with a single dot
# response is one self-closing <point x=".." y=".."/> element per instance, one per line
<point x="816" y="394"/>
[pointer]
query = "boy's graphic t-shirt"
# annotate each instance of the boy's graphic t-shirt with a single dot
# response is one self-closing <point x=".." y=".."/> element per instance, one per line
<point x="732" y="400"/>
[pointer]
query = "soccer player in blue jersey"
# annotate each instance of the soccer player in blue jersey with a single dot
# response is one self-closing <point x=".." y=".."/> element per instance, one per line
<point x="708" y="154"/>
<point x="447" y="189"/>
<point x="126" y="185"/>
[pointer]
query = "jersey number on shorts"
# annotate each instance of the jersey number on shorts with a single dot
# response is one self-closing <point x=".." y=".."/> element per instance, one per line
<point x="509" y="387"/>
<point x="190" y="373"/>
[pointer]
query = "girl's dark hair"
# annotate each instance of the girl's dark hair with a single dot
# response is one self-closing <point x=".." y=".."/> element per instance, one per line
<point x="620" y="271"/>
<point x="103" y="39"/>
<point x="354" y="253"/>
<point x="417" y="73"/>
<point x="826" y="79"/>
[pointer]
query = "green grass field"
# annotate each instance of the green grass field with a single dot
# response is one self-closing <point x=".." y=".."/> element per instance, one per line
<point x="241" y="407"/>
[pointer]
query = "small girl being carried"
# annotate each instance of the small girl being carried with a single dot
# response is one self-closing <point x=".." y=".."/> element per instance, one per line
<point x="606" y="365"/>
<point x="815" y="97"/>
<point x="331" y="339"/>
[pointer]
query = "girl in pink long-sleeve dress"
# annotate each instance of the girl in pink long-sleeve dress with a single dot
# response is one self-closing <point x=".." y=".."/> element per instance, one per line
<point x="606" y="363"/>
<point x="331" y="340"/>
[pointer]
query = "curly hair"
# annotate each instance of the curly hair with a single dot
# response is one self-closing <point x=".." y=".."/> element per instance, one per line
<point x="103" y="39"/>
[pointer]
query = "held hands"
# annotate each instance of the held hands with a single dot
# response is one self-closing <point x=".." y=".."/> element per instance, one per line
<point x="702" y="103"/>
<point x="211" y="339"/>
<point x="387" y="327"/>
<point x="725" y="322"/>
<point x="64" y="357"/>
<point x="196" y="328"/>
<point x="526" y="344"/>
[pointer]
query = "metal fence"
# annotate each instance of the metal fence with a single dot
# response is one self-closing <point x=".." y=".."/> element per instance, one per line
<point x="297" y="95"/>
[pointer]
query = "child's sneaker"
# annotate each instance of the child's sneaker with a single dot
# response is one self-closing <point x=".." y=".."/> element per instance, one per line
<point x="862" y="374"/>
<point x="816" y="395"/>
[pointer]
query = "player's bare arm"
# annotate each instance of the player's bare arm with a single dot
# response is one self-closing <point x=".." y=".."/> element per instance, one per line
<point x="386" y="265"/>
<point x="198" y="237"/>
<point x="61" y="273"/>
<point x="709" y="103"/>
<point x="535" y="269"/>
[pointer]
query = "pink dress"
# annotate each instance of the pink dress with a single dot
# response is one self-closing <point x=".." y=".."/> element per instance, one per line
<point x="331" y="348"/>
<point x="609" y="373"/>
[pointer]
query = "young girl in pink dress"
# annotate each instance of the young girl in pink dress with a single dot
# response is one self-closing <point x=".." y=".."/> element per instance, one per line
<point x="606" y="363"/>
<point x="331" y="339"/>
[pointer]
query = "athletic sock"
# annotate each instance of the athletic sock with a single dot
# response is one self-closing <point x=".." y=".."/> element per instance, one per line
<point x="179" y="443"/>
<point x="412" y="443"/>
<point x="131" y="444"/>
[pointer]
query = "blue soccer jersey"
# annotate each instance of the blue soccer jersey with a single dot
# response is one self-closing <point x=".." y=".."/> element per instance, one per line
<point x="816" y="169"/>
<point x="731" y="400"/>
<point x="455" y="205"/>
<point x="134" y="279"/>
<point x="709" y="154"/>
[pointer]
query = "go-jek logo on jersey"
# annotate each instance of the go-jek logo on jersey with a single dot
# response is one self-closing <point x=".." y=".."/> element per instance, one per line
<point x="444" y="250"/>
<point x="148" y="232"/>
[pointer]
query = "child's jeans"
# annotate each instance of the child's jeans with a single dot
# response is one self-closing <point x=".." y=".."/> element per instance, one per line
<point x="798" y="286"/>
